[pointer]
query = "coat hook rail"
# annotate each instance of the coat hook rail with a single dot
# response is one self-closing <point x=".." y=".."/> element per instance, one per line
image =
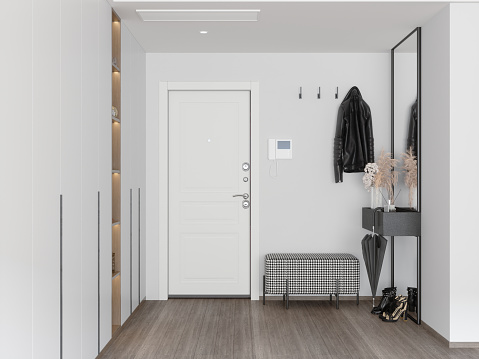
<point x="300" y="93"/>
<point x="319" y="92"/>
<point x="337" y="93"/>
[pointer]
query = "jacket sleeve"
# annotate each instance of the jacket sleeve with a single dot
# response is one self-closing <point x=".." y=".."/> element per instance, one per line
<point x="338" y="147"/>
<point x="370" y="138"/>
<point x="412" y="131"/>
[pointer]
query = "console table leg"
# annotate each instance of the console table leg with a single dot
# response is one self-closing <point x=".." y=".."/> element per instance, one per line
<point x="392" y="261"/>
<point x="330" y="297"/>
<point x="419" y="280"/>
<point x="357" y="298"/>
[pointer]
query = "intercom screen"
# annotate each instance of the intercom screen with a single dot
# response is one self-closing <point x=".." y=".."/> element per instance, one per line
<point x="284" y="145"/>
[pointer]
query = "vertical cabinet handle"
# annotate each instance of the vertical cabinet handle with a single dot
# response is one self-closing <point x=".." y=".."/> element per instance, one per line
<point x="98" y="272"/>
<point x="131" y="247"/>
<point x="139" y="245"/>
<point x="61" y="276"/>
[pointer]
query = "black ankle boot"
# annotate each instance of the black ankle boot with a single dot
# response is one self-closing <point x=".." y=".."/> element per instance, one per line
<point x="388" y="293"/>
<point x="411" y="299"/>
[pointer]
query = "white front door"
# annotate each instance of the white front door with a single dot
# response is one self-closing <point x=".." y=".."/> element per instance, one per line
<point x="209" y="159"/>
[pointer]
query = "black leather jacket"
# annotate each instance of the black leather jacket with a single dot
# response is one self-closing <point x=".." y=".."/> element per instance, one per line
<point x="412" y="132"/>
<point x="354" y="141"/>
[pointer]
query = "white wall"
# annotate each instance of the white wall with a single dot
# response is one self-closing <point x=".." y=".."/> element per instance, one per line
<point x="436" y="193"/>
<point x="464" y="246"/>
<point x="450" y="246"/>
<point x="302" y="210"/>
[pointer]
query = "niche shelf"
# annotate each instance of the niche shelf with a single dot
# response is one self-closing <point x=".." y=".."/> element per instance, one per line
<point x="115" y="172"/>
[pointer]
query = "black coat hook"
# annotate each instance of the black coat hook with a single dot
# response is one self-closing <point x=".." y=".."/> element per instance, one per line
<point x="337" y="93"/>
<point x="300" y="93"/>
<point x="319" y="92"/>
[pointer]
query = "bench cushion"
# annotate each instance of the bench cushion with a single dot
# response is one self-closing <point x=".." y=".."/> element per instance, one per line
<point x="311" y="273"/>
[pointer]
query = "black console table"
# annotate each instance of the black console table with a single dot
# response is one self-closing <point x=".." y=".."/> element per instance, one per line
<point x="403" y="222"/>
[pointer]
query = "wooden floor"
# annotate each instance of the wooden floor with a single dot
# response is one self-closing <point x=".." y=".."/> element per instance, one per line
<point x="244" y="329"/>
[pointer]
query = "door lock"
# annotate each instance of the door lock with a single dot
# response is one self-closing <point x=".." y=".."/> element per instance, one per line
<point x="245" y="204"/>
<point x="244" y="195"/>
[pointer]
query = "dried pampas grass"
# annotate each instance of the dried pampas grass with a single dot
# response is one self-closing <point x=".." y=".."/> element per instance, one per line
<point x="410" y="172"/>
<point x="386" y="176"/>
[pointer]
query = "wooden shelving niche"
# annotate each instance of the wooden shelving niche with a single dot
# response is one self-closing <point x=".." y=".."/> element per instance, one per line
<point x="116" y="173"/>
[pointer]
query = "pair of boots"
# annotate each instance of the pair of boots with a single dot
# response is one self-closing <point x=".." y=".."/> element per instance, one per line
<point x="391" y="307"/>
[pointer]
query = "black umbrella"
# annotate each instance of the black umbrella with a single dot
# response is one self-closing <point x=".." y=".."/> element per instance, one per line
<point x="374" y="247"/>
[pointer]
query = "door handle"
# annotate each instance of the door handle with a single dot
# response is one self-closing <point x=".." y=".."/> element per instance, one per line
<point x="244" y="195"/>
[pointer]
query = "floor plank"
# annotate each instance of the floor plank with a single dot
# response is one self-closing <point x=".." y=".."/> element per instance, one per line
<point x="226" y="330"/>
<point x="244" y="329"/>
<point x="243" y="336"/>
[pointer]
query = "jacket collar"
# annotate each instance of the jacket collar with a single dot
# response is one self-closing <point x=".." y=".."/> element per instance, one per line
<point x="353" y="92"/>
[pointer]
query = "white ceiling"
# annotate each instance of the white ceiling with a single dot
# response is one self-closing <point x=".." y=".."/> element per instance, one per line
<point x="283" y="27"/>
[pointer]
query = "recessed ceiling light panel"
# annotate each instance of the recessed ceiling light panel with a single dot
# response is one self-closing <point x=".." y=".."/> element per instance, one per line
<point x="203" y="32"/>
<point x="198" y="15"/>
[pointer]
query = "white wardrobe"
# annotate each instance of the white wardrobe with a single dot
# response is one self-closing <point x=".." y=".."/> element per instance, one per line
<point x="56" y="179"/>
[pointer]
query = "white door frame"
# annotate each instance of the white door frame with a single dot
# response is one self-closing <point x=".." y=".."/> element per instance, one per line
<point x="165" y="87"/>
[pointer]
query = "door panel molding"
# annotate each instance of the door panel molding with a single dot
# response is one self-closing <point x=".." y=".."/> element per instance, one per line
<point x="164" y="88"/>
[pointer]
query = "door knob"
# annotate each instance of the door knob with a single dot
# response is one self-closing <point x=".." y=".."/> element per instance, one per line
<point x="244" y="195"/>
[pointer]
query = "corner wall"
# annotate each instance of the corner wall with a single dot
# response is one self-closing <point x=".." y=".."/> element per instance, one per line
<point x="435" y="170"/>
<point x="464" y="172"/>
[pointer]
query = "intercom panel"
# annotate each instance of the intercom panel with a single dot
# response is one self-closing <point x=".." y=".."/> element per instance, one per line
<point x="280" y="149"/>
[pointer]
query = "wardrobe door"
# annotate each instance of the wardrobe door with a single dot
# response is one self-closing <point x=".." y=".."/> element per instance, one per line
<point x="89" y="177"/>
<point x="126" y="172"/>
<point x="71" y="178"/>
<point x="46" y="150"/>
<point x="135" y="166"/>
<point x="16" y="182"/>
<point x="104" y="174"/>
<point x="141" y="146"/>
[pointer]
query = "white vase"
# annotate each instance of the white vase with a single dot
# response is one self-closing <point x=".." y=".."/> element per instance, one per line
<point x="413" y="204"/>
<point x="375" y="197"/>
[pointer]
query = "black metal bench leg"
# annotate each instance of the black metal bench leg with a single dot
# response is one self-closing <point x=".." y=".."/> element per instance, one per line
<point x="337" y="294"/>
<point x="284" y="297"/>
<point x="330" y="297"/>
<point x="287" y="294"/>
<point x="264" y="290"/>
<point x="357" y="298"/>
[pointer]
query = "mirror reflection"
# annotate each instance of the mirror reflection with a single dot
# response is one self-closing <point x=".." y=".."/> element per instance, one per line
<point x="405" y="118"/>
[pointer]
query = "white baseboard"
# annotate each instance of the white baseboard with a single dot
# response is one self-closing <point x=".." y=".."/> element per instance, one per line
<point x="452" y="345"/>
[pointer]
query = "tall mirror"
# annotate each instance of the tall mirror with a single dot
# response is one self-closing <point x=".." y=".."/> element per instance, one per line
<point x="405" y="118"/>
<point x="406" y="137"/>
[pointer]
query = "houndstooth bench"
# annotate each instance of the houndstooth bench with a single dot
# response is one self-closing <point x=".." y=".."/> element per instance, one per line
<point x="311" y="273"/>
